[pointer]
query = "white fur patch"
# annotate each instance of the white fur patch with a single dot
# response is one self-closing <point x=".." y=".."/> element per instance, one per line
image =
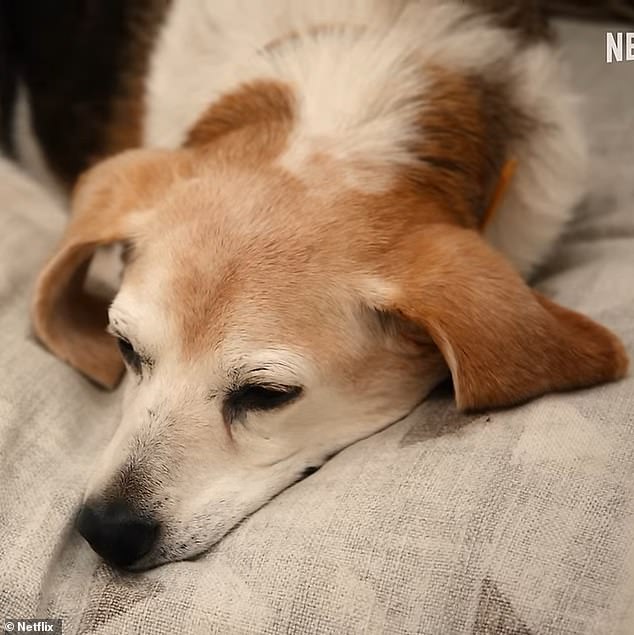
<point x="552" y="165"/>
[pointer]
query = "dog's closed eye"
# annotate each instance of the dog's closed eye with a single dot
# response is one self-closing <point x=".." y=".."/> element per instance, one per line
<point x="134" y="359"/>
<point x="249" y="397"/>
<point x="129" y="354"/>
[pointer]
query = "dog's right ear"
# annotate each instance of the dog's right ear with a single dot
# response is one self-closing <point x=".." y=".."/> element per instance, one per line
<point x="110" y="204"/>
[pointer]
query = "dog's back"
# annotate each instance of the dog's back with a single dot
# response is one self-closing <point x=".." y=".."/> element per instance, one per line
<point x="82" y="65"/>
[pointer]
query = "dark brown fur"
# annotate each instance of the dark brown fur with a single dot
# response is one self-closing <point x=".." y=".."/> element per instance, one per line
<point x="526" y="17"/>
<point x="83" y="63"/>
<point x="469" y="125"/>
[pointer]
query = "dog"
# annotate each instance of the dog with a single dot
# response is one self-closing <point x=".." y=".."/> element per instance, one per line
<point x="326" y="209"/>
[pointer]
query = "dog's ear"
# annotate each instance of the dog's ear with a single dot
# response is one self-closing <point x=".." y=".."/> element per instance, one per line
<point x="109" y="203"/>
<point x="503" y="343"/>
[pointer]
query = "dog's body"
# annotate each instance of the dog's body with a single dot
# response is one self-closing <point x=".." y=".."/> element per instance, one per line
<point x="305" y="258"/>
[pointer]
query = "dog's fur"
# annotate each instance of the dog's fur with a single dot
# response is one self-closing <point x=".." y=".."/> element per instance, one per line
<point x="304" y="214"/>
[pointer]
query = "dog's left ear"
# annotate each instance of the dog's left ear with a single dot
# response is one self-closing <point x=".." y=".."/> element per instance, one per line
<point x="503" y="343"/>
<point x="109" y="204"/>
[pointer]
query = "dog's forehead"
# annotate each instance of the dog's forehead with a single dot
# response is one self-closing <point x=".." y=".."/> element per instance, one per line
<point x="249" y="308"/>
<point x="261" y="254"/>
<point x="229" y="347"/>
<point x="196" y="303"/>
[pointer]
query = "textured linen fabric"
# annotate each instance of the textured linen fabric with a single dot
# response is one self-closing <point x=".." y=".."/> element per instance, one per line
<point x="513" y="522"/>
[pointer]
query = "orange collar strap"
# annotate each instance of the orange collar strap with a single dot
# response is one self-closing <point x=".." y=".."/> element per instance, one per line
<point x="506" y="176"/>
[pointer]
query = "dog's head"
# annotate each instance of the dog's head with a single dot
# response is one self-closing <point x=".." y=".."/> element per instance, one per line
<point x="269" y="319"/>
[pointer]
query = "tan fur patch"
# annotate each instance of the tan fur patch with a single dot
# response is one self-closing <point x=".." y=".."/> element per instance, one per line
<point x="257" y="117"/>
<point x="263" y="256"/>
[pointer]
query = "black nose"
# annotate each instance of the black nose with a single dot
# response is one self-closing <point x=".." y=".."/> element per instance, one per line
<point x="116" y="532"/>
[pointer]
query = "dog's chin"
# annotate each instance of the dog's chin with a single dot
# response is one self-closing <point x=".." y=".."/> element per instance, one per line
<point x="178" y="545"/>
<point x="166" y="555"/>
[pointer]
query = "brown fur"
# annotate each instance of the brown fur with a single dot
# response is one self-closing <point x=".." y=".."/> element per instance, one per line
<point x="469" y="128"/>
<point x="260" y="112"/>
<point x="503" y="343"/>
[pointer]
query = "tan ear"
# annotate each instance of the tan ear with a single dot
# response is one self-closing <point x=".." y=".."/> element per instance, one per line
<point x="66" y="318"/>
<point x="503" y="343"/>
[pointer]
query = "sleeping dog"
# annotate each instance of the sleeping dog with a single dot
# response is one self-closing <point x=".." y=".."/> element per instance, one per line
<point x="326" y="209"/>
